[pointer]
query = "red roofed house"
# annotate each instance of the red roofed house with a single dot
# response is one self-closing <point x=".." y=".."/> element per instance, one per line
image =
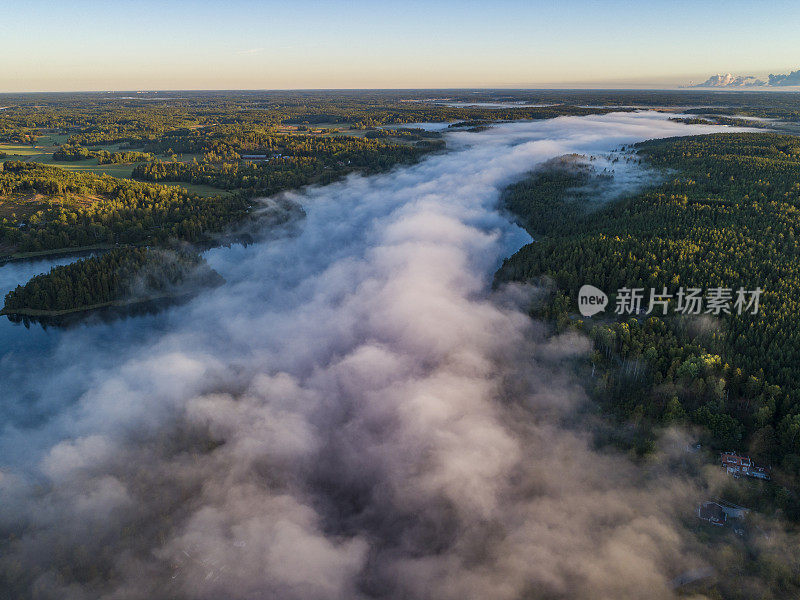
<point x="742" y="465"/>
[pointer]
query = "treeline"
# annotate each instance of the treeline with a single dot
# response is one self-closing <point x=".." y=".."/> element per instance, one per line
<point x="410" y="133"/>
<point x="729" y="218"/>
<point x="104" y="157"/>
<point x="84" y="209"/>
<point x="785" y="111"/>
<point x="95" y="120"/>
<point x="68" y="152"/>
<point x="103" y="119"/>
<point x="713" y="119"/>
<point x="228" y="142"/>
<point x="120" y="275"/>
<point x="293" y="160"/>
<point x="280" y="174"/>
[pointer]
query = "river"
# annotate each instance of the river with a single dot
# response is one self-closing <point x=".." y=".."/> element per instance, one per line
<point x="337" y="417"/>
<point x="506" y="152"/>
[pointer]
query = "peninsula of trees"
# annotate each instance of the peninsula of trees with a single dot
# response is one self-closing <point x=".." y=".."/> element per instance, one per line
<point x="119" y="277"/>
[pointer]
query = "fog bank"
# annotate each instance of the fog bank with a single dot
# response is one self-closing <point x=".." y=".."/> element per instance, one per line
<point x="352" y="415"/>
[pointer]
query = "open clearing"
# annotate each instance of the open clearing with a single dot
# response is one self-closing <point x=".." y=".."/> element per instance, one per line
<point x="24" y="205"/>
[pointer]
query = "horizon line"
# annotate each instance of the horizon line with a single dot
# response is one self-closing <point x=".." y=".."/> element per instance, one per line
<point x="749" y="89"/>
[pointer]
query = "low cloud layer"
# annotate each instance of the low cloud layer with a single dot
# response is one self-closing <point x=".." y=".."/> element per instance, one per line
<point x="353" y="415"/>
<point x="729" y="80"/>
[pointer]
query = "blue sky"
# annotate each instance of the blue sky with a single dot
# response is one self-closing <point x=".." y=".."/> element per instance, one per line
<point x="143" y="44"/>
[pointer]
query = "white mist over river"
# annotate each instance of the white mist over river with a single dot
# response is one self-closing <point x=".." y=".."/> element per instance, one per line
<point x="352" y="415"/>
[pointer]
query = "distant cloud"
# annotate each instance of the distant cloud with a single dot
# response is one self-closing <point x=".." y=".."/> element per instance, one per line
<point x="730" y="80"/>
<point x="792" y="78"/>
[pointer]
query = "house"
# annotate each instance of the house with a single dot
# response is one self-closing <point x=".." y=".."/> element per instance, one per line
<point x="734" y="511"/>
<point x="712" y="512"/>
<point x="737" y="466"/>
<point x="734" y="464"/>
<point x="720" y="513"/>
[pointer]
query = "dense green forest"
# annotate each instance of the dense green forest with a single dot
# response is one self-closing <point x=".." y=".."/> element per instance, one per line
<point x="728" y="215"/>
<point x="120" y="275"/>
<point x="562" y="188"/>
<point x="288" y="160"/>
<point x="68" y="152"/>
<point x="84" y="209"/>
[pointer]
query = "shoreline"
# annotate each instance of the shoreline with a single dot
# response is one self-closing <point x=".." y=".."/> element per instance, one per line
<point x="37" y="254"/>
<point x="36" y="312"/>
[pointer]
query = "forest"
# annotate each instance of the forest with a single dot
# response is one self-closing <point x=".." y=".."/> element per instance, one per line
<point x="121" y="275"/>
<point x="726" y="215"/>
<point x="289" y="160"/>
<point x="74" y="210"/>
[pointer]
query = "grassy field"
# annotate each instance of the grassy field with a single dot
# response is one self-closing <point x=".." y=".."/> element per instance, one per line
<point x="45" y="144"/>
<point x="42" y="152"/>
<point x="89" y="165"/>
<point x="51" y="140"/>
<point x="188" y="157"/>
<point x="344" y="129"/>
<point x="121" y="171"/>
<point x="20" y="150"/>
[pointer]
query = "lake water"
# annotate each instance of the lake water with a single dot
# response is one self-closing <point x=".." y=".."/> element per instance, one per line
<point x="427" y="126"/>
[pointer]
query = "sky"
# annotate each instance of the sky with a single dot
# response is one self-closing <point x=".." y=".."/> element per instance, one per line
<point x="248" y="44"/>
